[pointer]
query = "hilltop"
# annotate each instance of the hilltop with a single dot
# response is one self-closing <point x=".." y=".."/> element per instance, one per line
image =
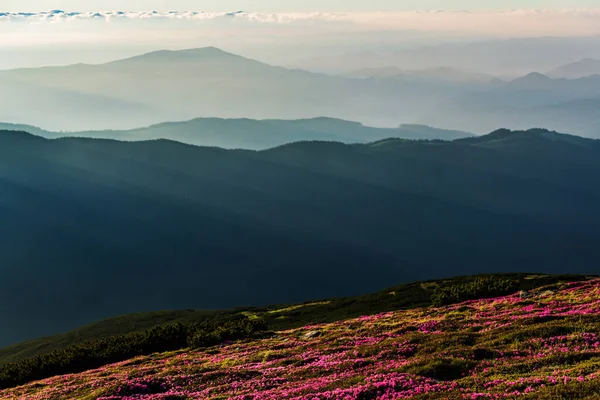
<point x="540" y="343"/>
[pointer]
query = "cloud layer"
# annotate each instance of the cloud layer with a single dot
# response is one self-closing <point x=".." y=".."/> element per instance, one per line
<point x="508" y="22"/>
<point x="60" y="15"/>
<point x="272" y="37"/>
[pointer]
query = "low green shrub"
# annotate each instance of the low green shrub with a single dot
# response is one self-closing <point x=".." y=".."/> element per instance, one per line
<point x="481" y="287"/>
<point x="94" y="354"/>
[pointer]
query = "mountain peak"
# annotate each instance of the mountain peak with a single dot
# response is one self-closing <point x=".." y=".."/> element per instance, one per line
<point x="202" y="53"/>
<point x="209" y="51"/>
<point x="508" y="133"/>
<point x="533" y="77"/>
<point x="541" y="136"/>
<point x="533" y="80"/>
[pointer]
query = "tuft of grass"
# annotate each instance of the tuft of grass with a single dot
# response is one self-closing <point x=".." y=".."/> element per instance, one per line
<point x="444" y="369"/>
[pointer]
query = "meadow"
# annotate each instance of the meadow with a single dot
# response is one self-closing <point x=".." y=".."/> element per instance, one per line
<point x="538" y="344"/>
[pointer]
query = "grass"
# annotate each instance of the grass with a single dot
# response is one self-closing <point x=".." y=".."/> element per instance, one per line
<point x="279" y="317"/>
<point x="545" y="345"/>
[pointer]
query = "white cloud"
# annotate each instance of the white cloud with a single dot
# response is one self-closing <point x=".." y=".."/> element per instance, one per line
<point x="273" y="37"/>
<point x="65" y="16"/>
<point x="508" y="22"/>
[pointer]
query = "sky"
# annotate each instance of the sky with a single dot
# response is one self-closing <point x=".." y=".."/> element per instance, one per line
<point x="282" y="32"/>
<point x="287" y="5"/>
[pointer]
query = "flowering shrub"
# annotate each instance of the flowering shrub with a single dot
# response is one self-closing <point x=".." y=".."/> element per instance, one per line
<point x="545" y="346"/>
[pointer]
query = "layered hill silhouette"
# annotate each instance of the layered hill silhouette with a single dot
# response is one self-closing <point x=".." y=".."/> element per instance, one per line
<point x="579" y="69"/>
<point x="127" y="227"/>
<point x="439" y="74"/>
<point x="533" y="100"/>
<point x="255" y="134"/>
<point x="182" y="85"/>
<point x="512" y="57"/>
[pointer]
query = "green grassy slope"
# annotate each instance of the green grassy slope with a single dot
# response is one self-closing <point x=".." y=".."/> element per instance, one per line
<point x="278" y="317"/>
<point x="542" y="343"/>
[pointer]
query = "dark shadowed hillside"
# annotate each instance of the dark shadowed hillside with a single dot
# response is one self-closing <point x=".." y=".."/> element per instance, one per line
<point x="127" y="227"/>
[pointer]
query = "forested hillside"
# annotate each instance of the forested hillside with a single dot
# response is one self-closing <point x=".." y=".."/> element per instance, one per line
<point x="96" y="228"/>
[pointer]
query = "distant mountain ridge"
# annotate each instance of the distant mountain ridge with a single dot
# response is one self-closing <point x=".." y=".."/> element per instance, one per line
<point x="579" y="69"/>
<point x="505" y="58"/>
<point x="207" y="82"/>
<point x="204" y="53"/>
<point x="210" y="83"/>
<point x="567" y="105"/>
<point x="531" y="81"/>
<point x="208" y="228"/>
<point x="172" y="85"/>
<point x="442" y="74"/>
<point x="257" y="134"/>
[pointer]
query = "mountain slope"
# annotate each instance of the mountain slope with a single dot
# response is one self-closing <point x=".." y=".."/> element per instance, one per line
<point x="440" y="74"/>
<point x="256" y="134"/>
<point x="207" y="82"/>
<point x="512" y="57"/>
<point x="209" y="228"/>
<point x="541" y="344"/>
<point x="532" y="100"/>
<point x="579" y="69"/>
<point x="182" y="85"/>
<point x="411" y="295"/>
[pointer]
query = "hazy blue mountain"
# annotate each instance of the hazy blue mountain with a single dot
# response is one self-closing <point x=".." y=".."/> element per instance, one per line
<point x="256" y="134"/>
<point x="570" y="105"/>
<point x="29" y="129"/>
<point x="501" y="58"/>
<point x="121" y="227"/>
<point x="47" y="103"/>
<point x="533" y="80"/>
<point x="441" y="74"/>
<point x="210" y="83"/>
<point x="381" y="72"/>
<point x="181" y="85"/>
<point x="579" y="69"/>
<point x="582" y="115"/>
